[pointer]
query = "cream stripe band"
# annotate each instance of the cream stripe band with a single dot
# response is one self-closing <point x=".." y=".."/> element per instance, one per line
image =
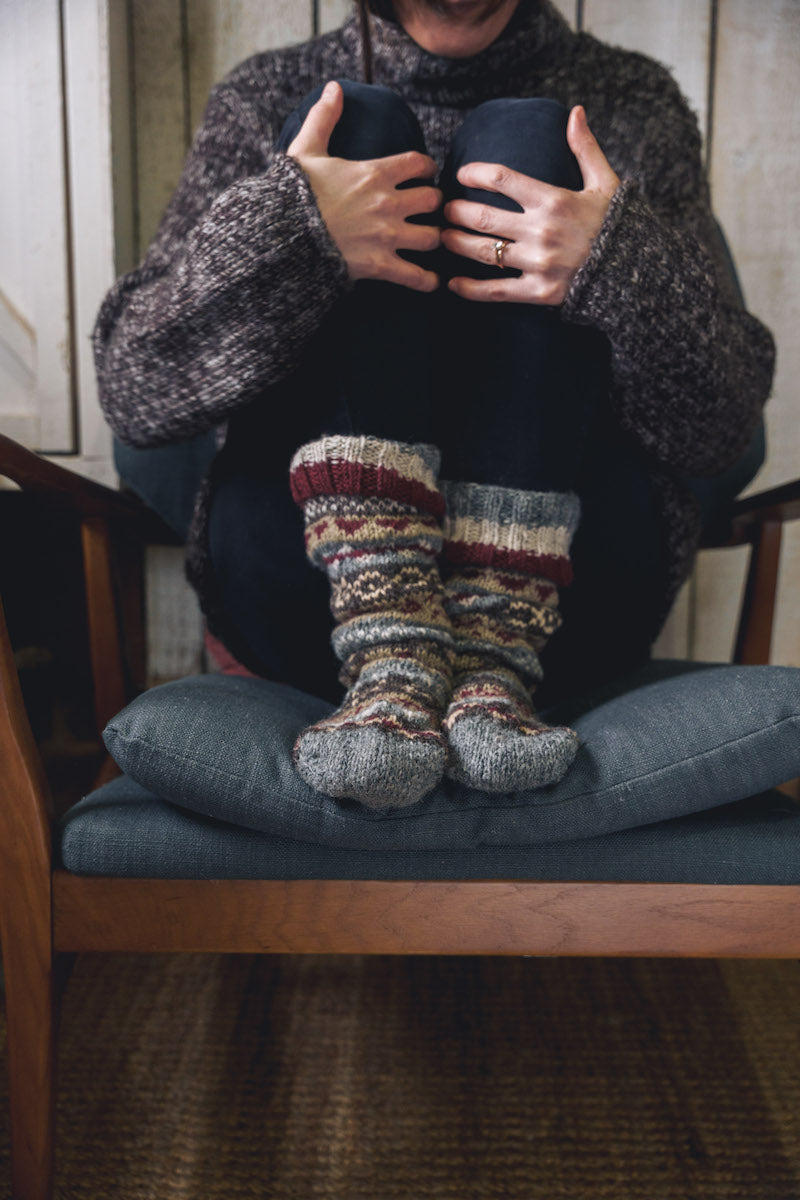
<point x="545" y="540"/>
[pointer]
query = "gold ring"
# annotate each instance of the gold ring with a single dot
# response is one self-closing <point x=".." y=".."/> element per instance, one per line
<point x="499" y="250"/>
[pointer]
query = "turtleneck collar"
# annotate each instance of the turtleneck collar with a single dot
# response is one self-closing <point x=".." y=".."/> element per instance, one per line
<point x="535" y="35"/>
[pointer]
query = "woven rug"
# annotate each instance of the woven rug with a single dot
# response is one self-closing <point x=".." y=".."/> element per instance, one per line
<point x="404" y="1079"/>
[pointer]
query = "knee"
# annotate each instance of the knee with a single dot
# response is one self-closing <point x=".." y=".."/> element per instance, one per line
<point x="527" y="135"/>
<point x="375" y="123"/>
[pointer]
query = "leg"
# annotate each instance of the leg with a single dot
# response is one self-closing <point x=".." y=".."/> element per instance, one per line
<point x="507" y="552"/>
<point x="370" y="359"/>
<point x="372" y="511"/>
<point x="526" y="397"/>
<point x="357" y="376"/>
<point x="560" y="421"/>
<point x="521" y="387"/>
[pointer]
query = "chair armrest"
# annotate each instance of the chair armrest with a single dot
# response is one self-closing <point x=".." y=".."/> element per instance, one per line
<point x="32" y="473"/>
<point x="757" y="521"/>
<point x="114" y="529"/>
<point x="87" y="499"/>
<point x="745" y="517"/>
<point x="780" y="504"/>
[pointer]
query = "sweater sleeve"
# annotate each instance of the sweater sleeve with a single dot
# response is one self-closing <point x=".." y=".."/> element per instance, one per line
<point x="691" y="368"/>
<point x="238" y="278"/>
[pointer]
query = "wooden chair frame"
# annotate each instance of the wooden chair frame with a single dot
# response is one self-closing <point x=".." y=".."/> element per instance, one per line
<point x="47" y="914"/>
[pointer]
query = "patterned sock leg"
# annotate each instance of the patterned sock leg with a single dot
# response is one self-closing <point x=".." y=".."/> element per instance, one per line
<point x="373" y="511"/>
<point x="507" y="552"/>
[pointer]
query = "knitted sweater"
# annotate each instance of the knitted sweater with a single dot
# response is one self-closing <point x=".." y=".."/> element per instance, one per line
<point x="242" y="270"/>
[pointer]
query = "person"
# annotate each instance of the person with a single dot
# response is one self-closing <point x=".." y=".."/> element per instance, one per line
<point x="469" y="325"/>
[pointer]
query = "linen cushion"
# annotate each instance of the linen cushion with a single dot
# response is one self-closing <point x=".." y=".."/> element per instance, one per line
<point x="124" y="830"/>
<point x="672" y="739"/>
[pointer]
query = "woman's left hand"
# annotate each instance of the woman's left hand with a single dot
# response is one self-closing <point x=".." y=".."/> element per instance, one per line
<point x="548" y="241"/>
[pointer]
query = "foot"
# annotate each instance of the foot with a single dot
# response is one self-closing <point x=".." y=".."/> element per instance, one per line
<point x="496" y="743"/>
<point x="378" y="767"/>
<point x="378" y="753"/>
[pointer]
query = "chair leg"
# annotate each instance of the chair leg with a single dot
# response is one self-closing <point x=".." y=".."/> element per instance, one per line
<point x="31" y="1023"/>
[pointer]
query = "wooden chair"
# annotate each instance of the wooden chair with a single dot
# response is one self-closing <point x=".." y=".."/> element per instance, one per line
<point x="47" y="915"/>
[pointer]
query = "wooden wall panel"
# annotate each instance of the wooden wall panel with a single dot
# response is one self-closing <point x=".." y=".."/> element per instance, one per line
<point x="35" y="300"/>
<point x="332" y="13"/>
<point x="717" y="587"/>
<point x="179" y="51"/>
<point x="162" y="121"/>
<point x="755" y="173"/>
<point x="568" y="9"/>
<point x="98" y="131"/>
<point x="677" y="34"/>
<point x="174" y="620"/>
<point x="223" y="32"/>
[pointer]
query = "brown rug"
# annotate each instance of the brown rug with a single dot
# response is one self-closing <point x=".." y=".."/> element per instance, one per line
<point x="404" y="1079"/>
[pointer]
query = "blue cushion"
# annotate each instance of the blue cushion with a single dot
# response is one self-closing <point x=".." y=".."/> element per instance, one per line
<point x="671" y="740"/>
<point x="124" y="830"/>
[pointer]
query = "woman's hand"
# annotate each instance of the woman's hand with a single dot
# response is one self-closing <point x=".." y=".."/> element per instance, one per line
<point x="549" y="240"/>
<point x="361" y="204"/>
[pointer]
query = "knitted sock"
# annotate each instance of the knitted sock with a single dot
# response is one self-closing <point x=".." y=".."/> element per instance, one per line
<point x="507" y="551"/>
<point x="373" y="510"/>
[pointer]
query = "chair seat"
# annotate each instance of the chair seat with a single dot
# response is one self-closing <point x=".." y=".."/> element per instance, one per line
<point x="671" y="785"/>
<point x="123" y="830"/>
<point x="669" y="740"/>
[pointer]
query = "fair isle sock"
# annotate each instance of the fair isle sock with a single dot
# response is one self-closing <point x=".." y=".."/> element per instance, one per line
<point x="507" y="551"/>
<point x="496" y="742"/>
<point x="372" y="511"/>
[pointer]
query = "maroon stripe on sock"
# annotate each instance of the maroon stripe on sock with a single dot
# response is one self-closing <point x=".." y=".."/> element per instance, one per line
<point x="343" y="478"/>
<point x="555" y="567"/>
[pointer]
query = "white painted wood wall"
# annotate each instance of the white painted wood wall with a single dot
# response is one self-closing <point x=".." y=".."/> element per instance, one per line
<point x="737" y="61"/>
<point x="65" y="217"/>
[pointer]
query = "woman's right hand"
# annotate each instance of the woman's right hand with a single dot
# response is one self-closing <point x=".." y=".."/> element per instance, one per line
<point x="361" y="204"/>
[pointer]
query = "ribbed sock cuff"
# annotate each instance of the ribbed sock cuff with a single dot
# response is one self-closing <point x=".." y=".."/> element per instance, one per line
<point x="531" y="532"/>
<point x="367" y="466"/>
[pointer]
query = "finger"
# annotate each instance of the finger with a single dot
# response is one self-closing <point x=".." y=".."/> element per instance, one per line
<point x="420" y="237"/>
<point x="414" y="200"/>
<point x="527" y="288"/>
<point x="316" y="130"/>
<point x="488" y="290"/>
<point x="410" y="275"/>
<point x="409" y="165"/>
<point x="480" y="249"/>
<point x="492" y="177"/>
<point x="483" y="218"/>
<point x="595" y="168"/>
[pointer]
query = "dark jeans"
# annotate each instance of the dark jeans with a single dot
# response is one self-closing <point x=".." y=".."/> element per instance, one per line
<point x="510" y="393"/>
<point x="506" y="391"/>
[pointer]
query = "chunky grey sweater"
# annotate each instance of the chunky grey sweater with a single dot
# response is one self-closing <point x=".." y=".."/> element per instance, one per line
<point x="242" y="270"/>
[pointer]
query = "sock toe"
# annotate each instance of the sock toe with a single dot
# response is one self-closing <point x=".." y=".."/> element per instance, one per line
<point x="493" y="756"/>
<point x="377" y="767"/>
